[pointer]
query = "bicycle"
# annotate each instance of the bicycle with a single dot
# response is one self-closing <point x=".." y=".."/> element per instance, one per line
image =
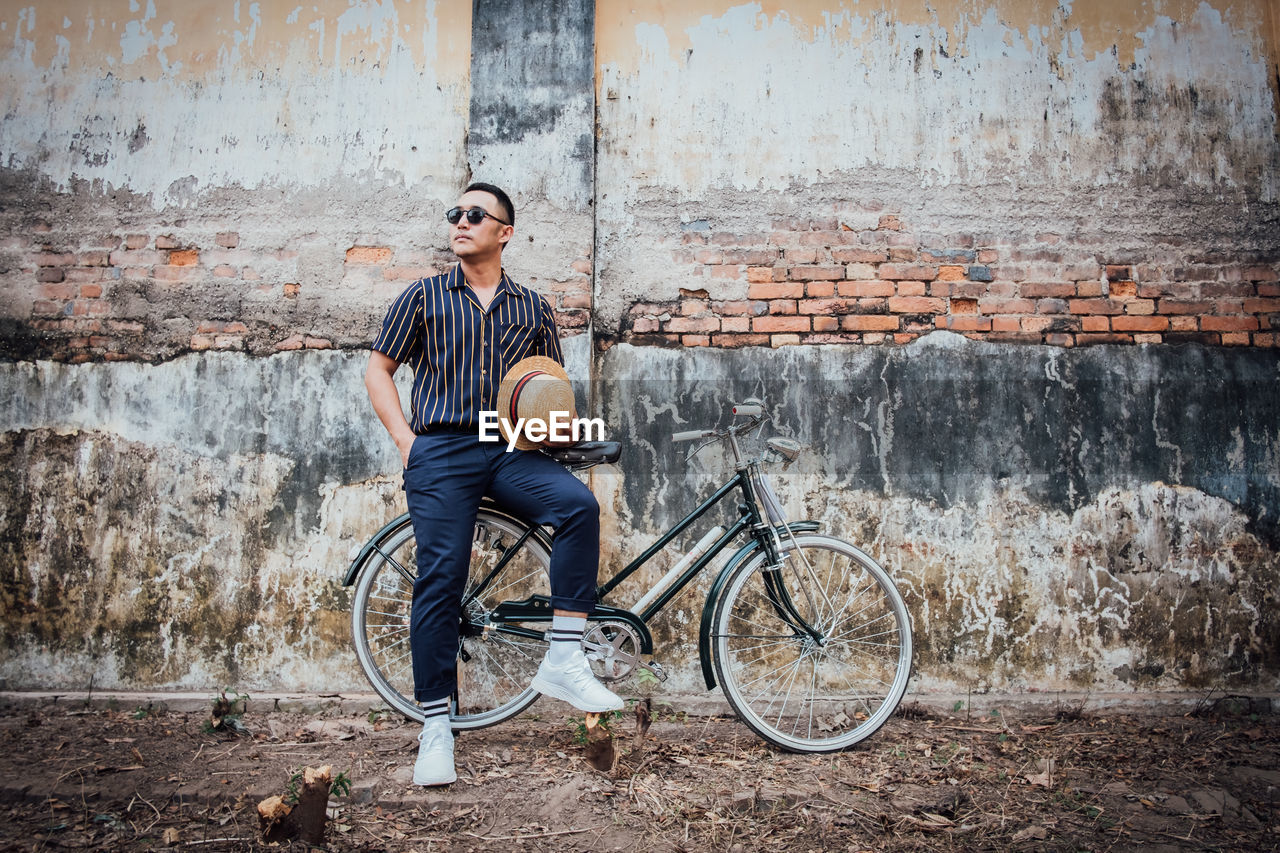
<point x="805" y="633"/>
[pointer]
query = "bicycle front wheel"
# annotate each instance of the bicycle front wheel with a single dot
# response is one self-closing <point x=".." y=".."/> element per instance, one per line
<point x="813" y="656"/>
<point x="495" y="663"/>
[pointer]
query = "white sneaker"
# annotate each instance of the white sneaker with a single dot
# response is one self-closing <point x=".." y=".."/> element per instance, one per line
<point x="435" y="754"/>
<point x="574" y="683"/>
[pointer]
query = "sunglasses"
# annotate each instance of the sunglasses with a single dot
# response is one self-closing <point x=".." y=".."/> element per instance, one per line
<point x="474" y="216"/>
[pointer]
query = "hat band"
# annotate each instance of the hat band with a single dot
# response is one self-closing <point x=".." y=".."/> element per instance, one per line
<point x="514" y="407"/>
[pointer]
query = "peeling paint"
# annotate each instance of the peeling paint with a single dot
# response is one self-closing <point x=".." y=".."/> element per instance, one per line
<point x="251" y="95"/>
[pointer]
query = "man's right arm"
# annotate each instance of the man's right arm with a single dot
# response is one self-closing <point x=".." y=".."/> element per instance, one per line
<point x="379" y="381"/>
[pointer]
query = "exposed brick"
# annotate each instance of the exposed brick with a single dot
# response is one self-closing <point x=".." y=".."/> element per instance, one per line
<point x="917" y="305"/>
<point x="696" y="340"/>
<point x="919" y="272"/>
<point x="291" y="290"/>
<point x="815" y="273"/>
<point x="1006" y="306"/>
<point x="1184" y="323"/>
<point x="1262" y="273"/>
<point x="1261" y="306"/>
<point x="759" y="274"/>
<point x="1095" y="306"/>
<point x="709" y="256"/>
<point x="729" y="272"/>
<point x="1128" y="323"/>
<point x="1140" y="306"/>
<point x="1235" y="339"/>
<point x="1211" y="323"/>
<point x="138" y="258"/>
<point x="1039" y="325"/>
<point x="575" y="300"/>
<point x="951" y="272"/>
<point x="1147" y="339"/>
<point x="55" y="259"/>
<point x="398" y="273"/>
<point x="783" y="340"/>
<point x="692" y="324"/>
<point x="368" y="255"/>
<point x="782" y="306"/>
<point x="826" y="306"/>
<point x="964" y="306"/>
<point x="166" y="241"/>
<point x="50" y="274"/>
<point x="826" y="324"/>
<point x="1004" y="323"/>
<point x="862" y="271"/>
<point x="911" y="287"/>
<point x="1122" y="289"/>
<point x="184" y="257"/>
<point x="866" y="288"/>
<point x="1051" y="306"/>
<point x="90" y="291"/>
<point x="733" y="341"/>
<point x="889" y="222"/>
<point x="1084" y="339"/>
<point x="775" y="290"/>
<point x="732" y="308"/>
<point x="735" y="324"/>
<point x="1219" y="289"/>
<point x="859" y="256"/>
<point x="801" y="256"/>
<point x="1047" y="289"/>
<point x="1088" y="289"/>
<point x="869" y="323"/>
<point x="980" y="273"/>
<point x="318" y="343"/>
<point x="820" y="289"/>
<point x="172" y="273"/>
<point x="1095" y="323"/>
<point x="780" y="324"/>
<point x="95" y="258"/>
<point x="1118" y="272"/>
<point x="224" y="271"/>
<point x="965" y="323"/>
<point x="136" y="241"/>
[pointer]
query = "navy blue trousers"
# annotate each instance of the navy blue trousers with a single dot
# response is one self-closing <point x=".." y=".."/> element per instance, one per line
<point x="447" y="475"/>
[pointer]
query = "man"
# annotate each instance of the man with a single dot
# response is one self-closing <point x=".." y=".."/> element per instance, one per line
<point x="460" y="332"/>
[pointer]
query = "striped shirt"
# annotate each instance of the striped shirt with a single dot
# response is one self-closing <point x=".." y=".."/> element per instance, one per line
<point x="459" y="351"/>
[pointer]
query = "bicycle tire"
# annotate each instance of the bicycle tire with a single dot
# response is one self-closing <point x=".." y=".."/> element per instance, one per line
<point x="496" y="663"/>
<point x="819" y="691"/>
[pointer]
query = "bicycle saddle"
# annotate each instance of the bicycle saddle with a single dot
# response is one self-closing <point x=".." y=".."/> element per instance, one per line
<point x="587" y="452"/>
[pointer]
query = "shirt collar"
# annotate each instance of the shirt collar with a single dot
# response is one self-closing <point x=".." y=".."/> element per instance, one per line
<point x="457" y="281"/>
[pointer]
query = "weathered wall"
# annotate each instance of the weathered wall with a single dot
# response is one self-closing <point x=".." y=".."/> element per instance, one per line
<point x="207" y="207"/>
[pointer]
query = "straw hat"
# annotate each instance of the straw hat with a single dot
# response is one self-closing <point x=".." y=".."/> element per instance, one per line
<point x="533" y="388"/>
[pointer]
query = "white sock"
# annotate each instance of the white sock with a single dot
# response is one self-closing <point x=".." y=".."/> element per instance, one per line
<point x="436" y="711"/>
<point x="566" y="638"/>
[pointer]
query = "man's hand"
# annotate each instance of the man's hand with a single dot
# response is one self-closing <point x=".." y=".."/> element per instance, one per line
<point x="405" y="443"/>
<point x="379" y="380"/>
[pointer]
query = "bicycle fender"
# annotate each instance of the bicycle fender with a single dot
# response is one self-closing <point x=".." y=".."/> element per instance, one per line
<point x="717" y="589"/>
<point x="369" y="546"/>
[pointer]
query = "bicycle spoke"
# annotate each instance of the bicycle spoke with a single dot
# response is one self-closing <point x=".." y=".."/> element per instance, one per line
<point x="813" y="693"/>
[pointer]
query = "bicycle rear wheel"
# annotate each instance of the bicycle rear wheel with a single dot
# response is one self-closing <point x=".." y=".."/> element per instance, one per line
<point x="814" y="656"/>
<point x="495" y="663"/>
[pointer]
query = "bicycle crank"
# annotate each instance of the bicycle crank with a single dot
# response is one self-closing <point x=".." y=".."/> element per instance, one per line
<point x="613" y="648"/>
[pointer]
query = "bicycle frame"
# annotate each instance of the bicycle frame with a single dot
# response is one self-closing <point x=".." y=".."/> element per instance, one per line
<point x="749" y="521"/>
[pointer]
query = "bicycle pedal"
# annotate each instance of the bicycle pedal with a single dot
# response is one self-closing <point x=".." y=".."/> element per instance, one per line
<point x="656" y="668"/>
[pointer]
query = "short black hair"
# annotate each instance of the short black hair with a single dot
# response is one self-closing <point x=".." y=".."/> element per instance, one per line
<point x="496" y="192"/>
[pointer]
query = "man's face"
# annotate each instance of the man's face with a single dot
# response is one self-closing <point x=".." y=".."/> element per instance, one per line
<point x="485" y="237"/>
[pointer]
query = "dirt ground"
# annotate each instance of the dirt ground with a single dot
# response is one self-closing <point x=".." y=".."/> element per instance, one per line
<point x="90" y="779"/>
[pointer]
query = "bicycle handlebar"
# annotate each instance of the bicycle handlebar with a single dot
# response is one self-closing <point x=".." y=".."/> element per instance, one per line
<point x="752" y="408"/>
